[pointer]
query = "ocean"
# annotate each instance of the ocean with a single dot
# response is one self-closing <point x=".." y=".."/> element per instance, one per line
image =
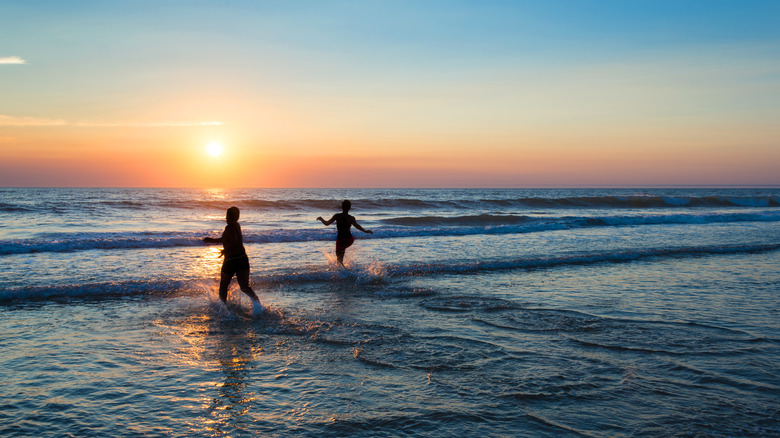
<point x="468" y="312"/>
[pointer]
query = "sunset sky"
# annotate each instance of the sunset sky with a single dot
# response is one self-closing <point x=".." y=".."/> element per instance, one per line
<point x="389" y="93"/>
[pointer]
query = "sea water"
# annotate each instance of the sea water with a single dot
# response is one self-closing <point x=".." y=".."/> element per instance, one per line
<point x="619" y="312"/>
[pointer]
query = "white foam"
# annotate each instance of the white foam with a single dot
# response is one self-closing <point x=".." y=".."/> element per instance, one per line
<point x="373" y="273"/>
<point x="258" y="309"/>
<point x="68" y="242"/>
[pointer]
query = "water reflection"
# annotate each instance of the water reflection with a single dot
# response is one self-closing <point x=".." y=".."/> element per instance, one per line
<point x="235" y="346"/>
<point x="225" y="348"/>
<point x="207" y="263"/>
<point x="217" y="194"/>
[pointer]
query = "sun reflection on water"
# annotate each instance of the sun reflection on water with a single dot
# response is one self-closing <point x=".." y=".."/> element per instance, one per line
<point x="225" y="347"/>
<point x="217" y="194"/>
<point x="234" y="348"/>
<point x="204" y="264"/>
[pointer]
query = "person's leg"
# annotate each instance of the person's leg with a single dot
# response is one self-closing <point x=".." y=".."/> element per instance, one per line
<point x="243" y="281"/>
<point x="341" y="248"/>
<point x="224" y="282"/>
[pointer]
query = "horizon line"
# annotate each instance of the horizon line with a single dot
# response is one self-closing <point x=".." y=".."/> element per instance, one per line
<point x="594" y="187"/>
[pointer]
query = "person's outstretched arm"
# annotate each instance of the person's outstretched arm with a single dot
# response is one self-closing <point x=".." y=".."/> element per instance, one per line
<point x="328" y="222"/>
<point x="356" y="225"/>
<point x="212" y="240"/>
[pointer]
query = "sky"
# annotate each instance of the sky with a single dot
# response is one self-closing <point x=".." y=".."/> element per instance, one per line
<point x="229" y="93"/>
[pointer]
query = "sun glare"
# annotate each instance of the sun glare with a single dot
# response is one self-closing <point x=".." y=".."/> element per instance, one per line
<point x="214" y="149"/>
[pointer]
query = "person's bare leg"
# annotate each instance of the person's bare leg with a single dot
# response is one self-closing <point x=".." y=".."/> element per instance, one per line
<point x="224" y="282"/>
<point x="340" y="257"/>
<point x="243" y="281"/>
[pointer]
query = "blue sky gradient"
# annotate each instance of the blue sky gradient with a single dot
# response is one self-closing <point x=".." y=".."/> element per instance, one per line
<point x="506" y="79"/>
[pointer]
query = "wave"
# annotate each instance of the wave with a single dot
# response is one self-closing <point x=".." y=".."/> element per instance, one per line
<point x="472" y="220"/>
<point x="563" y="222"/>
<point x="71" y="242"/>
<point x="15" y="208"/>
<point x="642" y="201"/>
<point x="373" y="274"/>
<point x="580" y="259"/>
<point x="97" y="290"/>
<point x="319" y="205"/>
<point x="403" y="203"/>
<point x="425" y="226"/>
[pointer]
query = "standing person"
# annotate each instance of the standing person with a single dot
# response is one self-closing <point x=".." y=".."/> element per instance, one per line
<point x="236" y="261"/>
<point x="344" y="237"/>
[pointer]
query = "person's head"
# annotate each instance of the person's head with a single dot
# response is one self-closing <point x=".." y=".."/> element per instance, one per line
<point x="232" y="214"/>
<point x="345" y="206"/>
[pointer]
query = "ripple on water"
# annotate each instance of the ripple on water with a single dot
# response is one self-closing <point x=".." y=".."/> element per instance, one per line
<point x="674" y="338"/>
<point x="466" y="303"/>
<point x="435" y="353"/>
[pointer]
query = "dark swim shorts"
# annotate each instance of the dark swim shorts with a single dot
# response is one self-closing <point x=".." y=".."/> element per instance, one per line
<point x="343" y="244"/>
<point x="234" y="264"/>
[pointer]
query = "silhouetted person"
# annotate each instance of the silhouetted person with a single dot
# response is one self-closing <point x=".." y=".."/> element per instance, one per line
<point x="236" y="262"/>
<point x="344" y="237"/>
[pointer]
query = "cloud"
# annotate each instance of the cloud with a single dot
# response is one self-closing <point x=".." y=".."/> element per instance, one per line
<point x="30" y="121"/>
<point x="12" y="60"/>
<point x="144" y="125"/>
<point x="40" y="122"/>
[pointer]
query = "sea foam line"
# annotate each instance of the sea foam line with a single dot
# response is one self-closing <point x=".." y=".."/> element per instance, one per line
<point x="427" y="226"/>
<point x="370" y="274"/>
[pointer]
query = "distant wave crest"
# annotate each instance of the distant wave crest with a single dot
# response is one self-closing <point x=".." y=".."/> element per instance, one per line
<point x="476" y="220"/>
<point x="411" y="204"/>
<point x="407" y="226"/>
<point x="517" y="203"/>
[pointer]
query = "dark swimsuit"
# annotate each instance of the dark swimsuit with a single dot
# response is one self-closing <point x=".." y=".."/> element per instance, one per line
<point x="237" y="260"/>
<point x="344" y="237"/>
<point x="231" y="265"/>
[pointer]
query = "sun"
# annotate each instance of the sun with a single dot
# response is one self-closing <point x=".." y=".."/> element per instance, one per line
<point x="214" y="149"/>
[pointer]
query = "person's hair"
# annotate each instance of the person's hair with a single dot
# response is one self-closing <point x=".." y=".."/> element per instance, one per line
<point x="233" y="214"/>
<point x="346" y="205"/>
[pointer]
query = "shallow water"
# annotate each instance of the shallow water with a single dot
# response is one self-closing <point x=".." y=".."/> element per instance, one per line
<point x="667" y="327"/>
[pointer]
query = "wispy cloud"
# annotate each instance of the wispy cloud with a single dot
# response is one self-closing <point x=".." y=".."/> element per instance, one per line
<point x="144" y="124"/>
<point x="35" y="121"/>
<point x="12" y="60"/>
<point x="30" y="121"/>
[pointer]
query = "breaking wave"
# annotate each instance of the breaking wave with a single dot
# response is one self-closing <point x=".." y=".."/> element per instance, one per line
<point x="426" y="226"/>
<point x="370" y="274"/>
<point x="383" y="204"/>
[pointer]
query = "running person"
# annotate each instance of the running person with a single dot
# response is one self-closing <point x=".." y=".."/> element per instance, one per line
<point x="344" y="221"/>
<point x="236" y="261"/>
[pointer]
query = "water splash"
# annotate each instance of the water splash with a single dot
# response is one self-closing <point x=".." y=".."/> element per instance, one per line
<point x="375" y="273"/>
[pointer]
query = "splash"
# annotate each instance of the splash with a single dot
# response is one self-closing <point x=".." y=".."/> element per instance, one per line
<point x="259" y="310"/>
<point x="375" y="273"/>
<point x="333" y="263"/>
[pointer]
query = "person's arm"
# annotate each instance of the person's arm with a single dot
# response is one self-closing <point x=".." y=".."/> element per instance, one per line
<point x="328" y="222"/>
<point x="356" y="225"/>
<point x="220" y="239"/>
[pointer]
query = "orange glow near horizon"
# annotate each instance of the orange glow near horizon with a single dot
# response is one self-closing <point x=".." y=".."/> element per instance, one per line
<point x="283" y="149"/>
<point x="276" y="145"/>
<point x="165" y="158"/>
